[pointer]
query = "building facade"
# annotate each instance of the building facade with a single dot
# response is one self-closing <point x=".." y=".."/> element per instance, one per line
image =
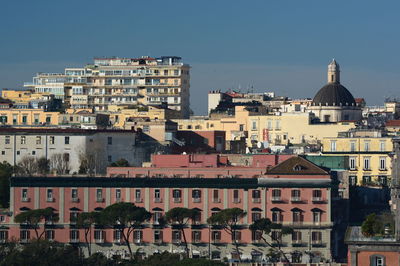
<point x="368" y="152"/>
<point x="74" y="145"/>
<point x="300" y="198"/>
<point x="112" y="84"/>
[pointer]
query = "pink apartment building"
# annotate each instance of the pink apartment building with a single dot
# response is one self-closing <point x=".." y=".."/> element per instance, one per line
<point x="294" y="192"/>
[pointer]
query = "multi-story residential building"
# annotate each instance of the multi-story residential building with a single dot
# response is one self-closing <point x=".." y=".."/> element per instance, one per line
<point x="28" y="117"/>
<point x="102" y="146"/>
<point x="294" y="193"/>
<point x="368" y="152"/>
<point x="111" y="84"/>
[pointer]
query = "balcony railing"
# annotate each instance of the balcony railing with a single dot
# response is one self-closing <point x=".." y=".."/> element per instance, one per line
<point x="26" y="199"/>
<point x="157" y="200"/>
<point x="295" y="199"/>
<point x="316" y="199"/>
<point x="236" y="200"/>
<point x="216" y="200"/>
<point x="256" y="200"/>
<point x="196" y="200"/>
<point x="177" y="200"/>
<point x="99" y="240"/>
<point x="158" y="241"/>
<point x="99" y="199"/>
<point x="139" y="200"/>
<point x="74" y="240"/>
<point x="75" y="199"/>
<point x="24" y="240"/>
<point x="50" y="199"/>
<point x="276" y="199"/>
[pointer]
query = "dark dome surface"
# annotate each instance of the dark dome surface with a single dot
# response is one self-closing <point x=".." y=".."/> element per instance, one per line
<point x="334" y="94"/>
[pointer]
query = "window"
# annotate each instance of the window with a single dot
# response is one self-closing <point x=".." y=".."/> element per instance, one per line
<point x="352" y="145"/>
<point x="276" y="235"/>
<point x="156" y="217"/>
<point x="367" y="145"/>
<point x="118" y="194"/>
<point x="73" y="216"/>
<point x="352" y="163"/>
<point x="74" y="235"/>
<point x="276" y="216"/>
<point x="74" y="195"/>
<point x="382" y="145"/>
<point x="15" y="120"/>
<point x="317" y="195"/>
<point x="23" y="139"/>
<point x="138" y="236"/>
<point x="382" y="163"/>
<point x="196" y="236"/>
<point x="256" y="195"/>
<point x="377" y="260"/>
<point x="316" y="217"/>
<point x="109" y="140"/>
<point x="99" y="236"/>
<point x="278" y="125"/>
<point x="297" y="216"/>
<point x="366" y="180"/>
<point x="333" y="145"/>
<point x="316" y="237"/>
<point x="241" y="127"/>
<point x="269" y="124"/>
<point x="66" y="140"/>
<point x="158" y="236"/>
<point x="99" y="195"/>
<point x="296" y="237"/>
<point x="157" y="195"/>
<point x="7" y="140"/>
<point x="176" y="236"/>
<point x="177" y="194"/>
<point x="24" y="235"/>
<point x="3" y="236"/>
<point x="24" y="119"/>
<point x="138" y="195"/>
<point x="48" y="119"/>
<point x="117" y="236"/>
<point x="255" y="216"/>
<point x="236" y="236"/>
<point x="383" y="180"/>
<point x="353" y="180"/>
<point x="295" y="195"/>
<point x="253" y="125"/>
<point x="50" y="195"/>
<point x="196" y="195"/>
<point x="109" y="158"/>
<point x="49" y="234"/>
<point x="216" y="236"/>
<point x="236" y="196"/>
<point x="256" y="236"/>
<point x="52" y="140"/>
<point x="24" y="195"/>
<point x="66" y="157"/>
<point x="276" y="194"/>
<point x="165" y="72"/>
<point x="216" y="196"/>
<point x="367" y="164"/>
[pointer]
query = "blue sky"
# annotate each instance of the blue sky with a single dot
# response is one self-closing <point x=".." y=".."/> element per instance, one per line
<point x="283" y="46"/>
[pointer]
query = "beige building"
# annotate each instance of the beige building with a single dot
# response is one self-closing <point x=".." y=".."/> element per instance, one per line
<point x="112" y="84"/>
<point x="368" y="152"/>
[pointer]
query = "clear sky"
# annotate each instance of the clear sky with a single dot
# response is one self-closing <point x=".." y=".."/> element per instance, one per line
<point x="283" y="46"/>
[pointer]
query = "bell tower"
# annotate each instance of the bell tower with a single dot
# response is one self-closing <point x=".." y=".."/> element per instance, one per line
<point x="333" y="72"/>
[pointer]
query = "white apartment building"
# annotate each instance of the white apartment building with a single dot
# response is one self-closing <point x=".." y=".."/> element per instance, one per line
<point x="111" y="84"/>
<point x="102" y="147"/>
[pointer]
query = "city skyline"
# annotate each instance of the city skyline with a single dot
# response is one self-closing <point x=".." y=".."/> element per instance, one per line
<point x="267" y="46"/>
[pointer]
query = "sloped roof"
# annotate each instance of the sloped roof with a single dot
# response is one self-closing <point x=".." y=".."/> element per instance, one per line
<point x="297" y="166"/>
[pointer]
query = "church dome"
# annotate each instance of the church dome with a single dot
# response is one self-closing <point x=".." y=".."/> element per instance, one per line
<point x="334" y="94"/>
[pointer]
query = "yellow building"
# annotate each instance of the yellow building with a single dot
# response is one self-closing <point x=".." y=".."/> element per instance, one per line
<point x="27" y="117"/>
<point x="368" y="151"/>
<point x="21" y="96"/>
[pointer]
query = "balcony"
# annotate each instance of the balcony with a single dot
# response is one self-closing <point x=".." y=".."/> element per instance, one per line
<point x="276" y="199"/>
<point x="236" y="201"/>
<point x="26" y="199"/>
<point x="295" y="199"/>
<point x="158" y="241"/>
<point x="176" y="241"/>
<point x="99" y="199"/>
<point x="177" y="200"/>
<point x="74" y="241"/>
<point x="256" y="200"/>
<point x="215" y="200"/>
<point x="117" y="241"/>
<point x="316" y="242"/>
<point x="138" y="241"/>
<point x="138" y="200"/>
<point x="50" y="199"/>
<point x="76" y="200"/>
<point x="157" y="200"/>
<point x="196" y="200"/>
<point x="24" y="240"/>
<point x="317" y="199"/>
